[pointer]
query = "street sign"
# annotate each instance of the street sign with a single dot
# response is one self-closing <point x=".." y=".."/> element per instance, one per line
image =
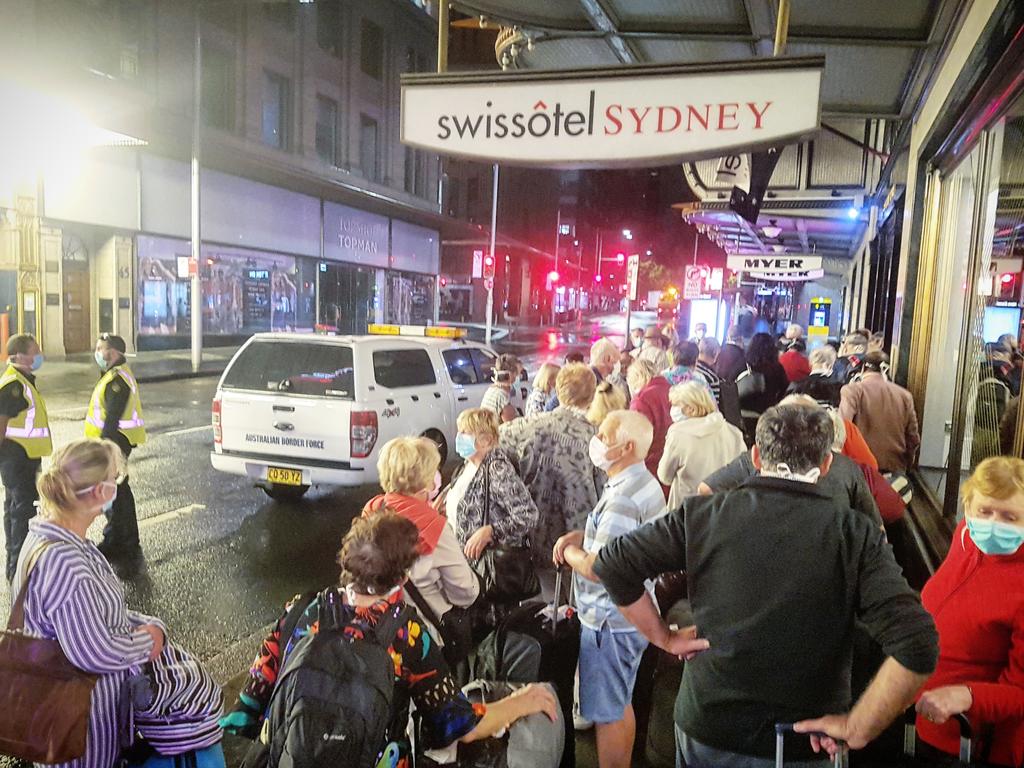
<point x="790" y="262"/>
<point x="633" y="275"/>
<point x="478" y="264"/>
<point x="717" y="278"/>
<point x="638" y="116"/>
<point x="693" y="285"/>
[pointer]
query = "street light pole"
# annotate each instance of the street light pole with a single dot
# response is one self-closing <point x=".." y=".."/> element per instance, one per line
<point x="490" y="283"/>
<point x="554" y="286"/>
<point x="196" y="299"/>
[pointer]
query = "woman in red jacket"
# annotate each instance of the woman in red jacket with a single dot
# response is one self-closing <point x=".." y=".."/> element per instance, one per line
<point x="977" y="600"/>
<point x="649" y="391"/>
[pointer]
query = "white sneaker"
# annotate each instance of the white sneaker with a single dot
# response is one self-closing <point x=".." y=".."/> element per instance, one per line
<point x="579" y="722"/>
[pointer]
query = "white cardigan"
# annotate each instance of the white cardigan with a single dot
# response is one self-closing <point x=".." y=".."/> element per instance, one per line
<point x="694" y="448"/>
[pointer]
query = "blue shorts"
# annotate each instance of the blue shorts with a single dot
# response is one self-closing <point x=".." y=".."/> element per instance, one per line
<point x="608" y="665"/>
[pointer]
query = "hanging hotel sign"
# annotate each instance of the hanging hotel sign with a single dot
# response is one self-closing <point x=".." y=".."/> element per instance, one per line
<point x="616" y="116"/>
<point x="790" y="262"/>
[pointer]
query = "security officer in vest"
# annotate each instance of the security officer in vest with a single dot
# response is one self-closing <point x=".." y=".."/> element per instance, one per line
<point x="115" y="413"/>
<point x="25" y="440"/>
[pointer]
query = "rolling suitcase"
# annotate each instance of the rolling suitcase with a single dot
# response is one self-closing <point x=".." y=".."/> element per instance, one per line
<point x="968" y="746"/>
<point x="557" y="629"/>
<point x="841" y="759"/>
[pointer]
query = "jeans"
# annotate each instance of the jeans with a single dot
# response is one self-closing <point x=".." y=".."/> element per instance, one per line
<point x="18" y="473"/>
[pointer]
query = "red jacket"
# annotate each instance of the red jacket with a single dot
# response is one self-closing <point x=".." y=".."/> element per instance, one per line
<point x="977" y="602"/>
<point x="428" y="520"/>
<point x="652" y="402"/>
<point x="796" y="365"/>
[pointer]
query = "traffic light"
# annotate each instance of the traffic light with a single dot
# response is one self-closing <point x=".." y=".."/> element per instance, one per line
<point x="620" y="258"/>
<point x="488" y="267"/>
<point x="444" y="281"/>
<point x="553" y="276"/>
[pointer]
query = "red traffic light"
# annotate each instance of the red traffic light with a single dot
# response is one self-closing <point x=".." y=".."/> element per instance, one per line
<point x="553" y="276"/>
<point x="620" y="258"/>
<point x="488" y="267"/>
<point x="444" y="281"/>
<point x="1006" y="279"/>
<point x="597" y="278"/>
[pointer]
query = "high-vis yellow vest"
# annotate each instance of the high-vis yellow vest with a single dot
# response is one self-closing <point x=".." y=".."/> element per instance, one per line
<point x="30" y="429"/>
<point x="131" y="424"/>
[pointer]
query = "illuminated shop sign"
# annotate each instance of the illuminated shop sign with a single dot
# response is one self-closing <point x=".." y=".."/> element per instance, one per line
<point x="614" y="116"/>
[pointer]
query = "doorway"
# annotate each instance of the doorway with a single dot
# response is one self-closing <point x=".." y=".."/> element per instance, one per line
<point x="75" y="281"/>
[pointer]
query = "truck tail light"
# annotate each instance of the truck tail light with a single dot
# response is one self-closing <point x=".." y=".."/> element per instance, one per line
<point x="218" y="434"/>
<point x="362" y="433"/>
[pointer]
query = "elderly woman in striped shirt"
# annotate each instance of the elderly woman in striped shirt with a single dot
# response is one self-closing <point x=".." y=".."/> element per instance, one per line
<point x="74" y="596"/>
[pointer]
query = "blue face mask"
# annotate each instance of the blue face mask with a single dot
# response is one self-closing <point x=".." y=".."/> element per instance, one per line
<point x="465" y="445"/>
<point x="100" y="361"/>
<point x="37" y="362"/>
<point x="995" y="538"/>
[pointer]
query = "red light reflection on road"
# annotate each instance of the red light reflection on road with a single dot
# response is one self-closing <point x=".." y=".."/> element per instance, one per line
<point x="552" y="340"/>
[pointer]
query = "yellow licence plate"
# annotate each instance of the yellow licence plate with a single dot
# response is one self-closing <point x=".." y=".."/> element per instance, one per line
<point x="284" y="476"/>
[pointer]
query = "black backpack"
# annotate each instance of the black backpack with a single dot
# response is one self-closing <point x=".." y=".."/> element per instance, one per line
<point x="333" y="702"/>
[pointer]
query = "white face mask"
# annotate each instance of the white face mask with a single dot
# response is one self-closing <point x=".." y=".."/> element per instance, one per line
<point x="599" y="453"/>
<point x="783" y="471"/>
<point x="677" y="414"/>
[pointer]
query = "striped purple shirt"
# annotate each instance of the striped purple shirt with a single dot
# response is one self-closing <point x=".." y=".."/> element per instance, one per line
<point x="75" y="598"/>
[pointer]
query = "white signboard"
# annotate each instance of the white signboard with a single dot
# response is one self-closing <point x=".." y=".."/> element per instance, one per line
<point x="614" y="116"/>
<point x="693" y="284"/>
<point x="633" y="275"/>
<point x="478" y="264"/>
<point x="791" y="262"/>
<point x="795" y="276"/>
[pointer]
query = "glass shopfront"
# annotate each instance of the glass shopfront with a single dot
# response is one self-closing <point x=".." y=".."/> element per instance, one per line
<point x="244" y="292"/>
<point x="974" y="244"/>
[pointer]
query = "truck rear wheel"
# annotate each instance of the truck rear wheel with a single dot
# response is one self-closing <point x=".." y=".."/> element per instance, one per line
<point x="285" y="492"/>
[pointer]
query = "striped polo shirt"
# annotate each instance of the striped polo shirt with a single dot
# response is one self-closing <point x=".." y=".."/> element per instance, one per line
<point x="630" y="499"/>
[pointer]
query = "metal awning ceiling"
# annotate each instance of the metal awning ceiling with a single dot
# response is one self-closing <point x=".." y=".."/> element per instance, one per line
<point x="874" y="49"/>
<point x="879" y="56"/>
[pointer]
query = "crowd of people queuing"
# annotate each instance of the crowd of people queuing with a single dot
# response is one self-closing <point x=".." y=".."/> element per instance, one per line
<point x="766" y="474"/>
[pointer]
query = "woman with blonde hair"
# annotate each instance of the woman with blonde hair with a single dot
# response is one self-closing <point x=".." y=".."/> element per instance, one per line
<point x="72" y="595"/>
<point x="650" y="397"/>
<point x="977" y="600"/>
<point x="441" y="574"/>
<point x="607" y="398"/>
<point x="699" y="442"/>
<point x="543" y="388"/>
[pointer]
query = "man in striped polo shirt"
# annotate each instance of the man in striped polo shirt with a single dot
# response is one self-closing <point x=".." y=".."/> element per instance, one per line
<point x="611" y="647"/>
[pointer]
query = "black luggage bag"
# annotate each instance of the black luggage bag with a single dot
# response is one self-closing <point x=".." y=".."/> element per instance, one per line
<point x="559" y="652"/>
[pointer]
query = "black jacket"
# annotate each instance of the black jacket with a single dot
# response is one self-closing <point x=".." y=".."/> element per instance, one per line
<point x="777" y="573"/>
<point x="731" y="361"/>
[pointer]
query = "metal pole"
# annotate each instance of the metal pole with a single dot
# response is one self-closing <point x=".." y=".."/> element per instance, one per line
<point x="494" y="261"/>
<point x="442" y="36"/>
<point x="781" y="28"/>
<point x="196" y="299"/>
<point x="554" y="286"/>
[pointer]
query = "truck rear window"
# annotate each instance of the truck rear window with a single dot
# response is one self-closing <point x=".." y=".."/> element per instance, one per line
<point x="295" y="367"/>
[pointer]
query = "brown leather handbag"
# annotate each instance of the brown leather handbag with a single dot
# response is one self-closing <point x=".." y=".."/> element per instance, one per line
<point x="45" y="700"/>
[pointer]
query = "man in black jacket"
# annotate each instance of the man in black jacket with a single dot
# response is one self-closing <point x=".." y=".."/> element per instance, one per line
<point x="778" y="572"/>
<point x="732" y="360"/>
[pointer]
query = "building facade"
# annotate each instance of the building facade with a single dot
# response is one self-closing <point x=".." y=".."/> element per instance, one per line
<point x="313" y="213"/>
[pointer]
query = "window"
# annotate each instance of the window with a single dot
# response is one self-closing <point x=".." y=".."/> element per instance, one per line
<point x="396" y="368"/>
<point x="218" y="88"/>
<point x="328" y="26"/>
<point x="460" y="367"/>
<point x="371" y="50"/>
<point x="368" y="148"/>
<point x="484" y="363"/>
<point x="298" y="368"/>
<point x="275" y="110"/>
<point x="327" y="129"/>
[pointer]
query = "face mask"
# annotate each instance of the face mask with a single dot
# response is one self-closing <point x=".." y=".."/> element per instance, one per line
<point x="37" y="362"/>
<point x="100" y="360"/>
<point x="677" y="414"/>
<point x="437" y="486"/>
<point x="782" y="470"/>
<point x="465" y="445"/>
<point x="995" y="538"/>
<point x="599" y="453"/>
<point x="107" y="505"/>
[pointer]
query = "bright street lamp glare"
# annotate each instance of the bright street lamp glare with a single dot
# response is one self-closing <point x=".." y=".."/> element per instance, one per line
<point x="853" y="212"/>
<point x="628" y="234"/>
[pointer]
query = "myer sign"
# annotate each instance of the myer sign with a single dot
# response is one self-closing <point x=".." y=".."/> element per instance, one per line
<point x="776" y="264"/>
<point x="614" y="116"/>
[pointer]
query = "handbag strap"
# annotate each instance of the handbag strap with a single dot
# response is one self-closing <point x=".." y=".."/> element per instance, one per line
<point x="16" y="622"/>
<point x="422" y="605"/>
<point x="485" y="466"/>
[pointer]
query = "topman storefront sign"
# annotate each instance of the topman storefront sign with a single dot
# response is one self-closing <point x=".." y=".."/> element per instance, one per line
<point x="642" y="115"/>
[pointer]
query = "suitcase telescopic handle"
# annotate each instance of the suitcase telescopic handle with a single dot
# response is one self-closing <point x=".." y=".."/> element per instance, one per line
<point x="966" y="735"/>
<point x="840" y="760"/>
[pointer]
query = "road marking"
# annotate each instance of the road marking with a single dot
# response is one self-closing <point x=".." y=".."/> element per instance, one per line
<point x="188" y="509"/>
<point x="185" y="431"/>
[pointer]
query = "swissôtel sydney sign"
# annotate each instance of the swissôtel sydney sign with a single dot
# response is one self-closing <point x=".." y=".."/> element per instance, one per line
<point x="638" y="115"/>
